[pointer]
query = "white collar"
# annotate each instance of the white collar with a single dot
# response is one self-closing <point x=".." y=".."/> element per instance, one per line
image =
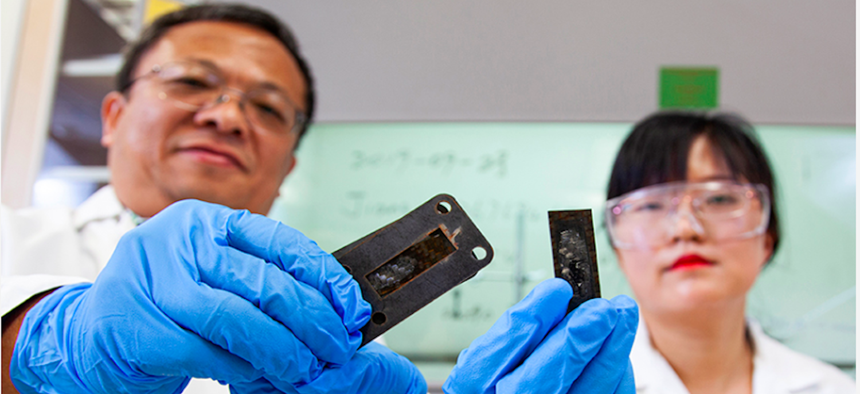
<point x="103" y="204"/>
<point x="776" y="368"/>
<point x="779" y="368"/>
<point x="650" y="369"/>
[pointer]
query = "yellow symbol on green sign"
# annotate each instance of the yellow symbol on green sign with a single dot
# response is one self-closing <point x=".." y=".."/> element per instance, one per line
<point x="689" y="87"/>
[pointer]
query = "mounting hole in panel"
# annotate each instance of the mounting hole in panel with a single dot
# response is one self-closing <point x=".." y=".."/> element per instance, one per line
<point x="378" y="318"/>
<point x="443" y="207"/>
<point x="479" y="253"/>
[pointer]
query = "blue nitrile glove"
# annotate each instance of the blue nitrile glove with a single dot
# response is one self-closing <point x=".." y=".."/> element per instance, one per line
<point x="535" y="348"/>
<point x="374" y="369"/>
<point x="199" y="290"/>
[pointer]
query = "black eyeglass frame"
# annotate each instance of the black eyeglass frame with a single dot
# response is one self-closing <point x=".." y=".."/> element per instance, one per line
<point x="300" y="116"/>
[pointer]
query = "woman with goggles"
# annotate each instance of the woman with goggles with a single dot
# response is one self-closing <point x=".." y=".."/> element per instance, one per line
<point x="692" y="218"/>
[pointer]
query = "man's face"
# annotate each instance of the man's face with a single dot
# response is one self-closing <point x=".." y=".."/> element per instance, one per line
<point x="160" y="152"/>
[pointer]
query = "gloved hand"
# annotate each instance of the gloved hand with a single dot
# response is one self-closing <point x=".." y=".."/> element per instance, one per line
<point x="199" y="290"/>
<point x="374" y="369"/>
<point x="535" y="348"/>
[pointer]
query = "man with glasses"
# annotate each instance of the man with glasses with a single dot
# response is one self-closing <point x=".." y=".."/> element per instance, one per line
<point x="210" y="105"/>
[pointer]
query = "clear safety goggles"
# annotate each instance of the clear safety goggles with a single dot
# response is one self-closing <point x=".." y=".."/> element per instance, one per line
<point x="651" y="217"/>
<point x="193" y="85"/>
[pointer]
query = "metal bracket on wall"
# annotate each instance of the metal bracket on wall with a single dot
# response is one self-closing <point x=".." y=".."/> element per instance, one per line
<point x="407" y="264"/>
<point x="573" y="253"/>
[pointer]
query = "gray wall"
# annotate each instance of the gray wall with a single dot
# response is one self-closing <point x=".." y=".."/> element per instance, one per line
<point x="782" y="62"/>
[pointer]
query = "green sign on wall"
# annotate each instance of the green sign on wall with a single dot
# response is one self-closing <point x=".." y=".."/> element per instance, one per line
<point x="689" y="87"/>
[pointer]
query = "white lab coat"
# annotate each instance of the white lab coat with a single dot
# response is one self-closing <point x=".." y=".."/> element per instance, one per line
<point x="776" y="369"/>
<point x="47" y="248"/>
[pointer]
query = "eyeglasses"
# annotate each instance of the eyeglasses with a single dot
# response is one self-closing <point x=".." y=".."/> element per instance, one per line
<point x="648" y="218"/>
<point x="193" y="86"/>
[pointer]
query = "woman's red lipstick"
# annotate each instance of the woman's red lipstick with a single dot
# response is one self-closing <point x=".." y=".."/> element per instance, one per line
<point x="690" y="261"/>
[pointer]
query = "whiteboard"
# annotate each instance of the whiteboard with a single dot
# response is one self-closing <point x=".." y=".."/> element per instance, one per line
<point x="353" y="178"/>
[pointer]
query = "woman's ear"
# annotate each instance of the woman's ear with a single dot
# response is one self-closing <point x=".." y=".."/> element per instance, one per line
<point x="768" y="246"/>
<point x="112" y="108"/>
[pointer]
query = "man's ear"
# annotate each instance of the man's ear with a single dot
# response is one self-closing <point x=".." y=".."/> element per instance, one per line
<point x="289" y="168"/>
<point x="112" y="109"/>
<point x="291" y="165"/>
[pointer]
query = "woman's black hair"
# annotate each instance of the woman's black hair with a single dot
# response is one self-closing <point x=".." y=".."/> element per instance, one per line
<point x="235" y="13"/>
<point x="656" y="151"/>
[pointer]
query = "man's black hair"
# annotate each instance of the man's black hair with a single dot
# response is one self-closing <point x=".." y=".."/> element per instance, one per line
<point x="235" y="13"/>
<point x="656" y="151"/>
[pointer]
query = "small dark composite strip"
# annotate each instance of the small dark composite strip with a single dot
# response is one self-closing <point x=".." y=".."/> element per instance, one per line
<point x="573" y="253"/>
